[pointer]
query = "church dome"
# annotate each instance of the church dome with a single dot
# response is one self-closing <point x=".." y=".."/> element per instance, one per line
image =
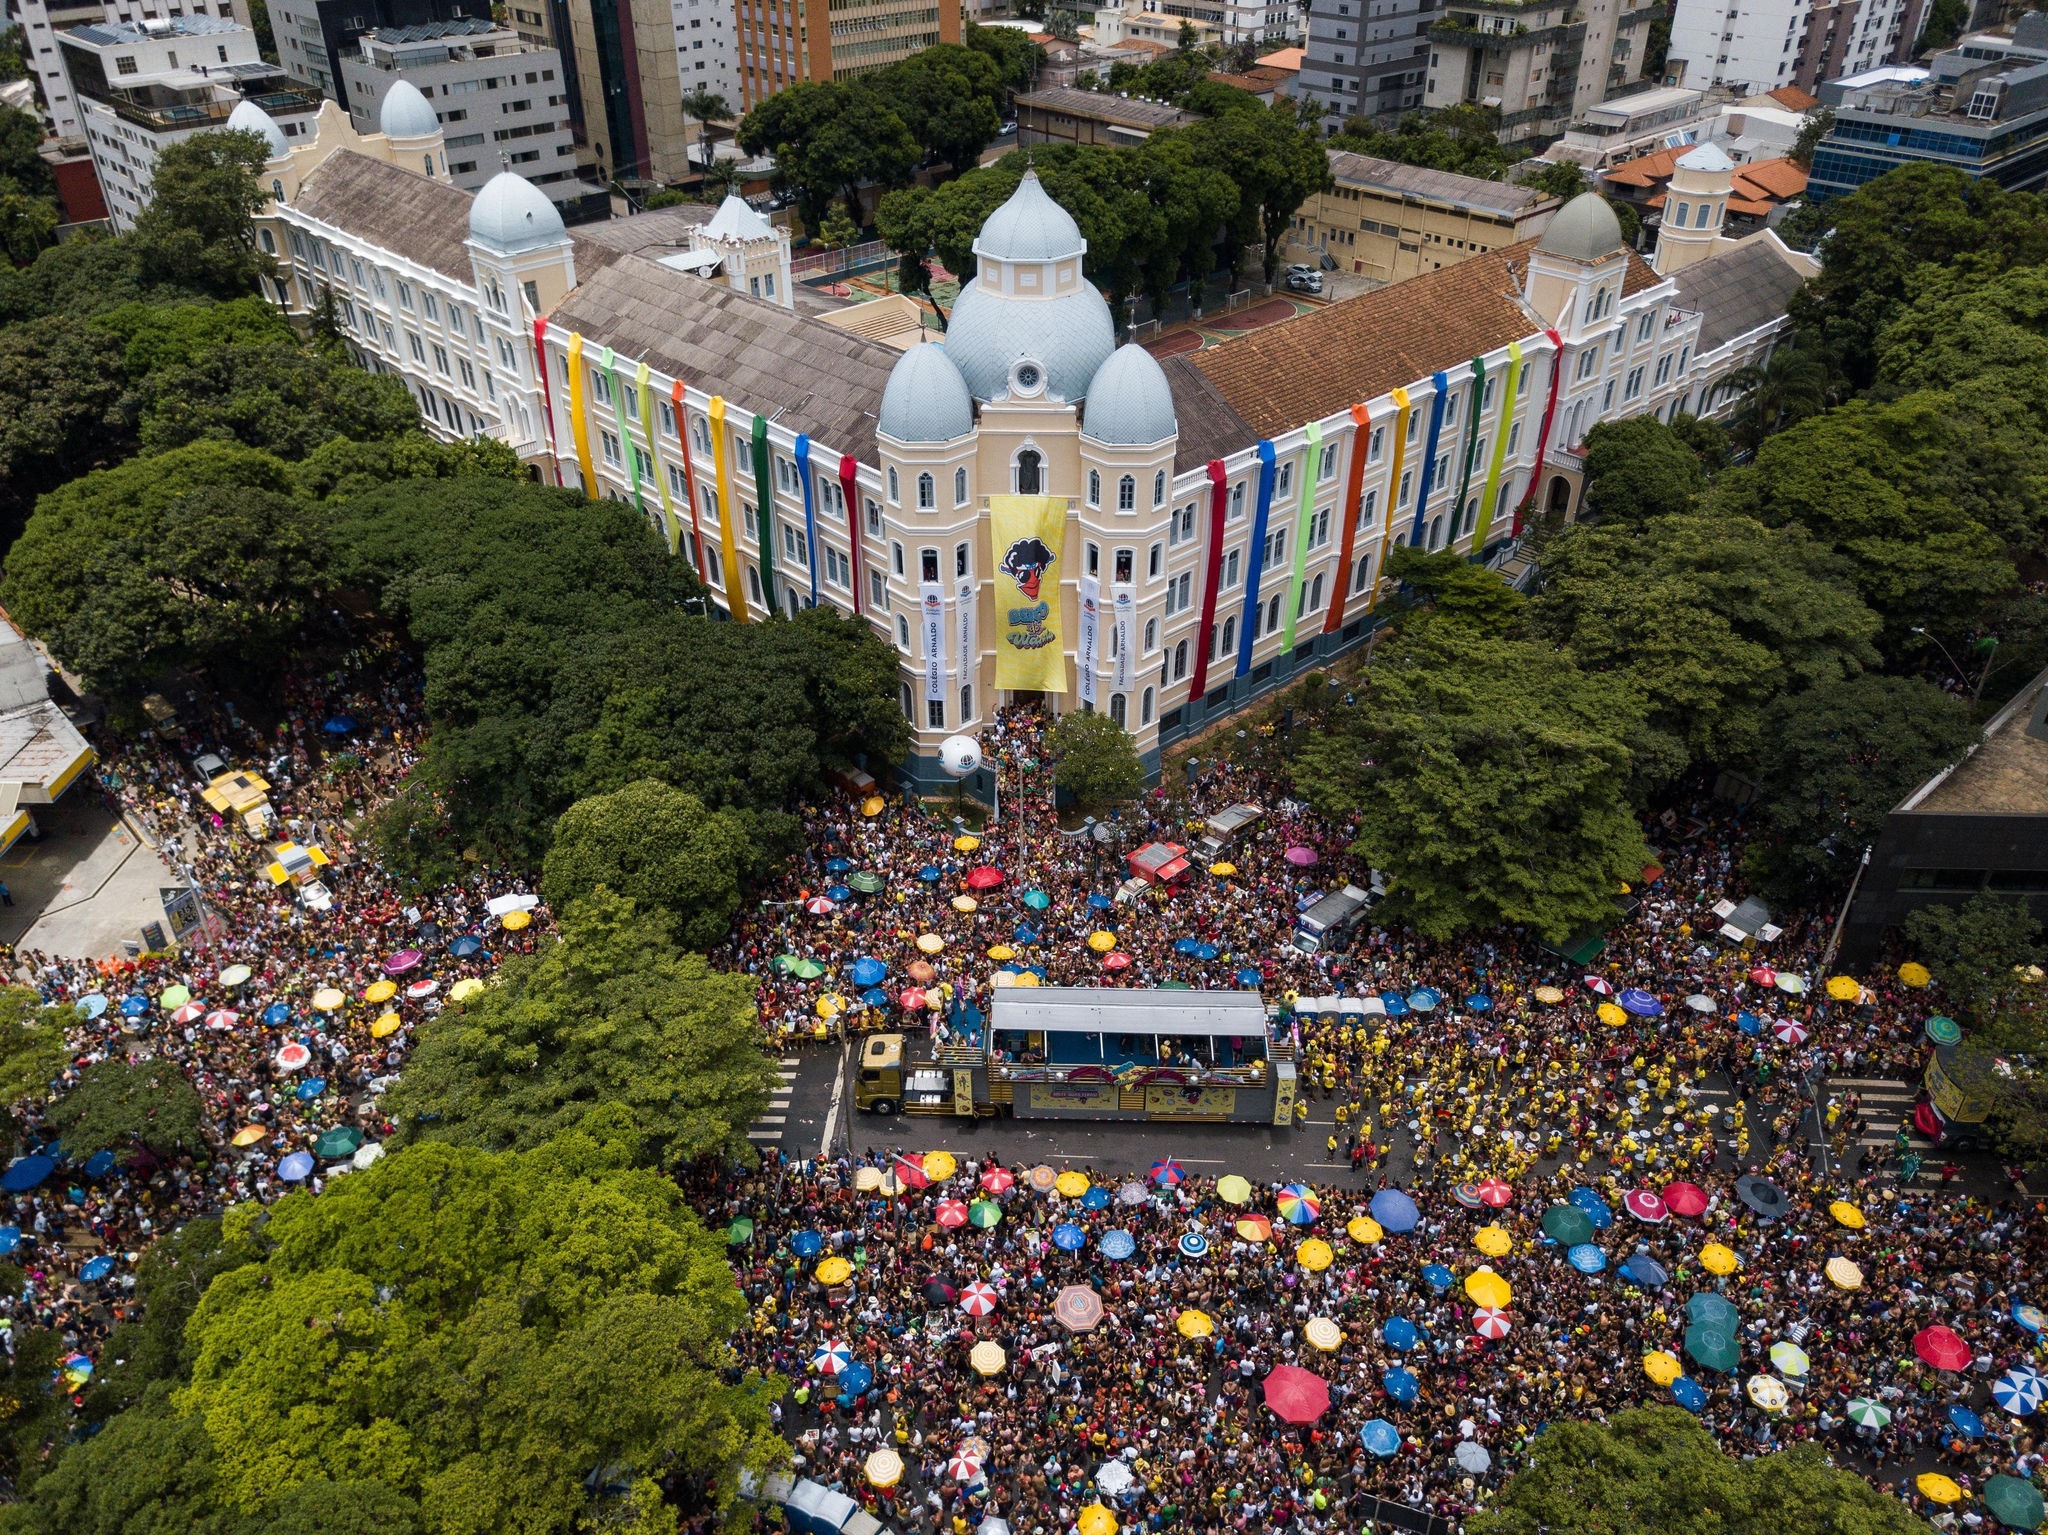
<point x="512" y="214"/>
<point x="1070" y="336"/>
<point x="1129" y="401"/>
<point x="1030" y="227"/>
<point x="1585" y="229"/>
<point x="406" y="114"/>
<point x="250" y="118"/>
<point x="926" y="399"/>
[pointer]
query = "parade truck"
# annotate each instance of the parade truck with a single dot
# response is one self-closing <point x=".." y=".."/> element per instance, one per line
<point x="1092" y="1052"/>
<point x="1955" y="1098"/>
<point x="1222" y="830"/>
<point x="1326" y="923"/>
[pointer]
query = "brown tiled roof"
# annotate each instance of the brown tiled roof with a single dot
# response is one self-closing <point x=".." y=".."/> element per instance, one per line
<point x="1645" y="170"/>
<point x="1780" y="179"/>
<point x="810" y="376"/>
<point x="1792" y="98"/>
<point x="1289" y="59"/>
<point x="1761" y="182"/>
<point x="397" y="210"/>
<point x="1640" y="275"/>
<point x="1209" y="428"/>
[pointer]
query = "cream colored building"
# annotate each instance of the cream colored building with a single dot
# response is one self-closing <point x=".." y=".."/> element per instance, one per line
<point x="1386" y="220"/>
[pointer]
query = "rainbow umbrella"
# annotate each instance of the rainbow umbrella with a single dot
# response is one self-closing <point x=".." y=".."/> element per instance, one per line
<point x="1299" y="1205"/>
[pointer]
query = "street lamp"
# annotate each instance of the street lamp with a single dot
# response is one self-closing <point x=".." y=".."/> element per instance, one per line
<point x="1977" y="692"/>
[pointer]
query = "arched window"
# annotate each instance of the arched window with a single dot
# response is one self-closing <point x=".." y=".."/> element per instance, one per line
<point x="1560" y="493"/>
<point x="1315" y="594"/>
<point x="1159" y="488"/>
<point x="1145" y="708"/>
<point x="429" y="159"/>
<point x="1127" y="494"/>
<point x="277" y="190"/>
<point x="269" y="244"/>
<point x="904" y="699"/>
<point x="1180" y="661"/>
<point x="959" y="487"/>
<point x="902" y="636"/>
<point x="1030" y="479"/>
<point x="927" y="494"/>
<point x="895" y="494"/>
<point x="1094" y="488"/>
<point x="1116" y="707"/>
<point x="1226" y="638"/>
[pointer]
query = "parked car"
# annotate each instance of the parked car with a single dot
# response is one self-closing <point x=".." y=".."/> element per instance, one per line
<point x="1304" y="279"/>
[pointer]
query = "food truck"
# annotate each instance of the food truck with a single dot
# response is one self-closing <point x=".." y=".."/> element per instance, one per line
<point x="1093" y="1052"/>
<point x="1955" y="1097"/>
<point x="1221" y="831"/>
<point x="244" y="796"/>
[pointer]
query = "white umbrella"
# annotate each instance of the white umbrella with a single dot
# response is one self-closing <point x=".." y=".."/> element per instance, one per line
<point x="498" y="905"/>
<point x="1473" y="1457"/>
<point x="1113" y="1477"/>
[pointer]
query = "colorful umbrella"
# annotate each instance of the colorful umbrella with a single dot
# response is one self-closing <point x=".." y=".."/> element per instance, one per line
<point x="2019" y="1390"/>
<point x="1314" y="1255"/>
<point x="1768" y="1392"/>
<point x="1634" y="999"/>
<point x="1402" y="1385"/>
<point x="979" y="1299"/>
<point x="834" y="1271"/>
<point x="950" y="1213"/>
<point x="1296" y="1395"/>
<point x="1686" y="1199"/>
<point x="1299" y="1205"/>
<point x="1937" y="1488"/>
<point x="1865" y="1413"/>
<point x="1689" y="1394"/>
<point x="1491" y="1322"/>
<point x="1194" y="1324"/>
<point x="1717" y="1258"/>
<point x="1586" y="1258"/>
<point x="998" y="1180"/>
<point x="1380" y="1437"/>
<point x="1495" y="1194"/>
<point x="1644" y="1270"/>
<point x="296" y="1168"/>
<point x="1068" y="1237"/>
<point x="1486" y="1288"/>
<point x="1167" y="1173"/>
<point x="964" y="1467"/>
<point x="1364" y="1230"/>
<point x="984" y="1214"/>
<point x="1568" y="1225"/>
<point x="1789" y="1359"/>
<point x="1843" y="1274"/>
<point x="884" y="1468"/>
<point x="988" y="1358"/>
<point x="1116" y="1245"/>
<point x="1466" y="1194"/>
<point x="1494" y="1241"/>
<point x="1439" y="1278"/>
<point x="1712" y="1346"/>
<point x="1193" y="1244"/>
<point x="1255" y="1228"/>
<point x="1644" y="1206"/>
<point x="1940" y="1347"/>
<point x="1789" y="1032"/>
<point x="1323" y="1333"/>
<point x="1096" y="1198"/>
<point x="1944" y="1030"/>
<point x="1595" y="1208"/>
<point x="1964" y="1421"/>
<point x="1233" y="1190"/>
<point x="1662" y="1367"/>
<point x="2013" y="1503"/>
<point x="2029" y="1317"/>
<point x="984" y="878"/>
<point x="1399" y="1333"/>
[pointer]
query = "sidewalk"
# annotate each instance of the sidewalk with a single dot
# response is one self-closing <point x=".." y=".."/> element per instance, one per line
<point x="85" y="885"/>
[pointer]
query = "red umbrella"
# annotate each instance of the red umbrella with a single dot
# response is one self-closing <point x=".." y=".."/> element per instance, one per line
<point x="1116" y="959"/>
<point x="1764" y="975"/>
<point x="950" y="1213"/>
<point x="1495" y="1194"/>
<point x="1296" y="1395"/>
<point x="1687" y="1199"/>
<point x="984" y="878"/>
<point x="997" y="1179"/>
<point x="1941" y="1348"/>
<point x="1644" y="1206"/>
<point x="912" y="998"/>
<point x="1597" y="985"/>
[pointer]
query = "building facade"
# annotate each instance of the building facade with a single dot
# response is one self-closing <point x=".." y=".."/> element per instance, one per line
<point x="1065" y="114"/>
<point x="1751" y="46"/>
<point x="1543" y="63"/>
<point x="1365" y="58"/>
<point x="141" y="86"/>
<point x="1386" y="220"/>
<point x="708" y="48"/>
<point x="41" y="21"/>
<point x="786" y="42"/>
<point x="313" y="36"/>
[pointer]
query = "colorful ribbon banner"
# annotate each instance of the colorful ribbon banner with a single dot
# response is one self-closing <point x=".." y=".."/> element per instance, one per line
<point x="1311" y="462"/>
<point x="735" y="597"/>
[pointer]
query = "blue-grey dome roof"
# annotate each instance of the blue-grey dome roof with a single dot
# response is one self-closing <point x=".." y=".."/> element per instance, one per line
<point x="250" y="118"/>
<point x="1070" y="336"/>
<point x="926" y="399"/>
<point x="406" y="114"/>
<point x="1030" y="227"/>
<point x="512" y="214"/>
<point x="1585" y="229"/>
<point x="1129" y="400"/>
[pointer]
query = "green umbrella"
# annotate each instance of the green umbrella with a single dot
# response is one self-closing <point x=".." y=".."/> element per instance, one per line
<point x="1712" y="1346"/>
<point x="1865" y="1413"/>
<point x="783" y="964"/>
<point x="174" y="997"/>
<point x="2013" y="1502"/>
<point x="1568" y="1225"/>
<point x="867" y="882"/>
<point x="1944" y="1031"/>
<point x="1037" y="900"/>
<point x="741" y="1230"/>
<point x="1705" y="1306"/>
<point x="807" y="969"/>
<point x="1175" y="986"/>
<point x="338" y="1142"/>
<point x="984" y="1213"/>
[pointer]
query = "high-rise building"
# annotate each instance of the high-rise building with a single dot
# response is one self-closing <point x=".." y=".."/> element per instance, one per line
<point x="40" y="22"/>
<point x="630" y="84"/>
<point x="1759" y="45"/>
<point x="313" y="36"/>
<point x="1543" y="63"/>
<point x="708" y="47"/>
<point x="786" y="42"/>
<point x="1365" y="58"/>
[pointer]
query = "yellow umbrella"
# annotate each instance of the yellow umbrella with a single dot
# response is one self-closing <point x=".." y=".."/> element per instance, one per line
<point x="967" y="842"/>
<point x="464" y="989"/>
<point x="1662" y="1367"/>
<point x="1549" y="996"/>
<point x="1940" y="1489"/>
<point x="1097" y="1520"/>
<point x="1072" y="1184"/>
<point x="1028" y="978"/>
<point x="1493" y="1241"/>
<point x="1768" y="1392"/>
<point x="327" y="999"/>
<point x="966" y="903"/>
<point x="1611" y="1015"/>
<point x="831" y="1005"/>
<point x="1323" y="1333"/>
<point x="1255" y="1228"/>
<point x="1847" y="1214"/>
<point x="1233" y="1190"/>
<point x="834" y="1271"/>
<point x="873" y="805"/>
<point x="1364" y="1230"/>
<point x="1194" y="1324"/>
<point x="1844" y="1275"/>
<point x="385" y="1026"/>
<point x="1101" y="941"/>
<point x="380" y="991"/>
<point x="1223" y="870"/>
<point x="1000" y="952"/>
<point x="939" y="1165"/>
<point x="1914" y="974"/>
<point x="1717" y="1259"/>
<point x="1487" y="1288"/>
<point x="885" y="1468"/>
<point x="1843" y="989"/>
<point x="988" y="1358"/>
<point x="513" y="921"/>
<point x="1004" y="978"/>
<point x="930" y="943"/>
<point x="868" y="1179"/>
<point x="248" y="1135"/>
<point x="1314" y="1255"/>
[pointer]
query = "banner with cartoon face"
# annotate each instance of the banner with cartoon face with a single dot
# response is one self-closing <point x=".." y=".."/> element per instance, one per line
<point x="1029" y="537"/>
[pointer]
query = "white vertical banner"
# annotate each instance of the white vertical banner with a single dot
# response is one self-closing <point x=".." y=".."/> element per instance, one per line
<point x="1084" y="643"/>
<point x="1123" y="610"/>
<point x="931" y="618"/>
<point x="969" y="659"/>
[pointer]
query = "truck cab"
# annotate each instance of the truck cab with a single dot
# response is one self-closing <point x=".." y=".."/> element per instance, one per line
<point x="1327" y="923"/>
<point x="878" y="1084"/>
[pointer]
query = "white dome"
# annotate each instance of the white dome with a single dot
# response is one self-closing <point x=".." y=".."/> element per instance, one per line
<point x="250" y="118"/>
<point x="1070" y="336"/>
<point x="926" y="399"/>
<point x="406" y="114"/>
<point x="512" y="214"/>
<point x="1585" y="229"/>
<point x="1706" y="157"/>
<point x="1030" y="227"/>
<point x="1129" y="400"/>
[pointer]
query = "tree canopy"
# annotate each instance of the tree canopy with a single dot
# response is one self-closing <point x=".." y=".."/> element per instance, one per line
<point x="1094" y="759"/>
<point x="659" y="847"/>
<point x="124" y="1105"/>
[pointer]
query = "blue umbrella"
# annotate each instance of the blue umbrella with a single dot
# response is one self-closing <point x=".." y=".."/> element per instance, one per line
<point x="1025" y="934"/>
<point x="1966" y="1422"/>
<point x="1395" y="1004"/>
<point x="2027" y="1316"/>
<point x="1422" y="999"/>
<point x="1749" y="1023"/>
<point x="1437" y="1276"/>
<point x="1206" y="951"/>
<point x="1595" y="1208"/>
<point x="855" y="1379"/>
<point x="1689" y="1394"/>
<point x="1097" y="1198"/>
<point x="96" y="1269"/>
<point x="134" y="1007"/>
<point x="1398" y="1332"/>
<point x="1401" y="1385"/>
<point x="296" y="1168"/>
<point x="2019" y="1390"/>
<point x="99" y="1164"/>
<point x="1068" y="1237"/>
<point x="1380" y="1437"/>
<point x="868" y="971"/>
<point x="25" y="1173"/>
<point x="1118" y="1244"/>
<point x="837" y="865"/>
<point x="1193" y="1244"/>
<point x="929" y="874"/>
<point x="1645" y="1270"/>
<point x="340" y="725"/>
<point x="1395" y="1210"/>
<point x="10" y="1238"/>
<point x="837" y="893"/>
<point x="1099" y="902"/>
<point x="310" y="1089"/>
<point x="94" y="1003"/>
<point x="1248" y="976"/>
<point x="874" y="996"/>
<point x="1634" y="999"/>
<point x="1586" y="1258"/>
<point x="1185" y="945"/>
<point x="275" y="1014"/>
<point x="465" y="945"/>
<point x="807" y="1244"/>
<point x="1479" y="1002"/>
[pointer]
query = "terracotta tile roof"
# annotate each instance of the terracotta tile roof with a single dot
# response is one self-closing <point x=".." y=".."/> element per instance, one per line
<point x="1780" y="179"/>
<point x="1758" y="186"/>
<point x="1645" y="170"/>
<point x="1794" y="99"/>
<point x="1243" y="82"/>
<point x="1285" y="58"/>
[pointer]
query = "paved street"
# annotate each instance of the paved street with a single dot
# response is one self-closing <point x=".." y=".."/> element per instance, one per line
<point x="85" y="885"/>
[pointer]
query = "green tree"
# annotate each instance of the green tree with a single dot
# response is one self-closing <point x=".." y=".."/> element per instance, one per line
<point x="342" y="467"/>
<point x="1984" y="955"/>
<point x="829" y="138"/>
<point x="1277" y="165"/>
<point x="148" y="1345"/>
<point x="21" y="137"/>
<point x="1655" y="1471"/>
<point x="1784" y="389"/>
<point x="149" y="1471"/>
<point x="1638" y="468"/>
<point x="709" y="108"/>
<point x="839" y="230"/>
<point x="122" y="1105"/>
<point x="33" y="1049"/>
<point x="608" y="1014"/>
<point x="12" y="65"/>
<point x="196" y="233"/>
<point x="286" y="397"/>
<point x="660" y="848"/>
<point x="947" y="97"/>
<point x="1455" y="590"/>
<point x="60" y="404"/>
<point x="1016" y="57"/>
<point x="1487" y="777"/>
<point x="1944" y="24"/>
<point x="28" y="223"/>
<point x="1094" y="759"/>
<point x="1562" y="179"/>
<point x="1974" y="948"/>
<point x="1463" y="139"/>
<point x="1815" y="128"/>
<point x="1831" y="763"/>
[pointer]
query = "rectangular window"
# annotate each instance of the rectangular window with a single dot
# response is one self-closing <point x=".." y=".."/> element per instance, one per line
<point x="600" y="386"/>
<point x="1319" y="529"/>
<point x="1607" y="397"/>
<point x="935" y="713"/>
<point x="610" y="445"/>
<point x="419" y="352"/>
<point x="1635" y="383"/>
<point x="430" y="306"/>
<point x="441" y="359"/>
<point x="1375" y="443"/>
<point x="1155" y="560"/>
<point x="878" y="590"/>
<point x="1326" y="466"/>
<point x="405" y="295"/>
<point x="1230" y="569"/>
<point x="1368" y="509"/>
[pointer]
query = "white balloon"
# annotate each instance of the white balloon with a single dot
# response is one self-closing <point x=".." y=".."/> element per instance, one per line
<point x="960" y="755"/>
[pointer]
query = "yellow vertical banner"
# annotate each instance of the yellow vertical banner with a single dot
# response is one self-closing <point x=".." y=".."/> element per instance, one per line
<point x="579" y="426"/>
<point x="1029" y="534"/>
<point x="735" y="599"/>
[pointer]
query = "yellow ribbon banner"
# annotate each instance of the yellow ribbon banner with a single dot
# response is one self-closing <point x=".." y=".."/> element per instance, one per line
<point x="1029" y="534"/>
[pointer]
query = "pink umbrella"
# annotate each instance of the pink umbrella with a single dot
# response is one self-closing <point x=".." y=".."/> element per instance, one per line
<point x="402" y="961"/>
<point x="1596" y="985"/>
<point x="1495" y="1194"/>
<point x="1940" y="1347"/>
<point x="191" y="1012"/>
<point x="1764" y="975"/>
<point x="1302" y="857"/>
<point x="979" y="1298"/>
<point x="1491" y="1322"/>
<point x="1789" y="1032"/>
<point x="950" y="1213"/>
<point x="818" y="906"/>
<point x="998" y="1179"/>
<point x="1296" y="1395"/>
<point x="1116" y="959"/>
<point x="984" y="878"/>
<point x="1687" y="1199"/>
<point x="1644" y="1206"/>
<point x="221" y="1018"/>
<point x="293" y="1057"/>
<point x="912" y="999"/>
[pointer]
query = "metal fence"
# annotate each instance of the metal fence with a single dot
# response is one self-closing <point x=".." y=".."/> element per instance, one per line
<point x="845" y="259"/>
<point x="1398" y="1516"/>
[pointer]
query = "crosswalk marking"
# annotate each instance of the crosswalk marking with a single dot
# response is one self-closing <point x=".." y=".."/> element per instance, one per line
<point x="764" y="1135"/>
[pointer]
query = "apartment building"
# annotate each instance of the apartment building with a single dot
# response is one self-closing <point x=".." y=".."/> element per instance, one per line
<point x="1366" y="58"/>
<point x="40" y="22"/>
<point x="1543" y="63"/>
<point x="1759" y="45"/>
<point x="785" y="42"/>
<point x="313" y="36"/>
